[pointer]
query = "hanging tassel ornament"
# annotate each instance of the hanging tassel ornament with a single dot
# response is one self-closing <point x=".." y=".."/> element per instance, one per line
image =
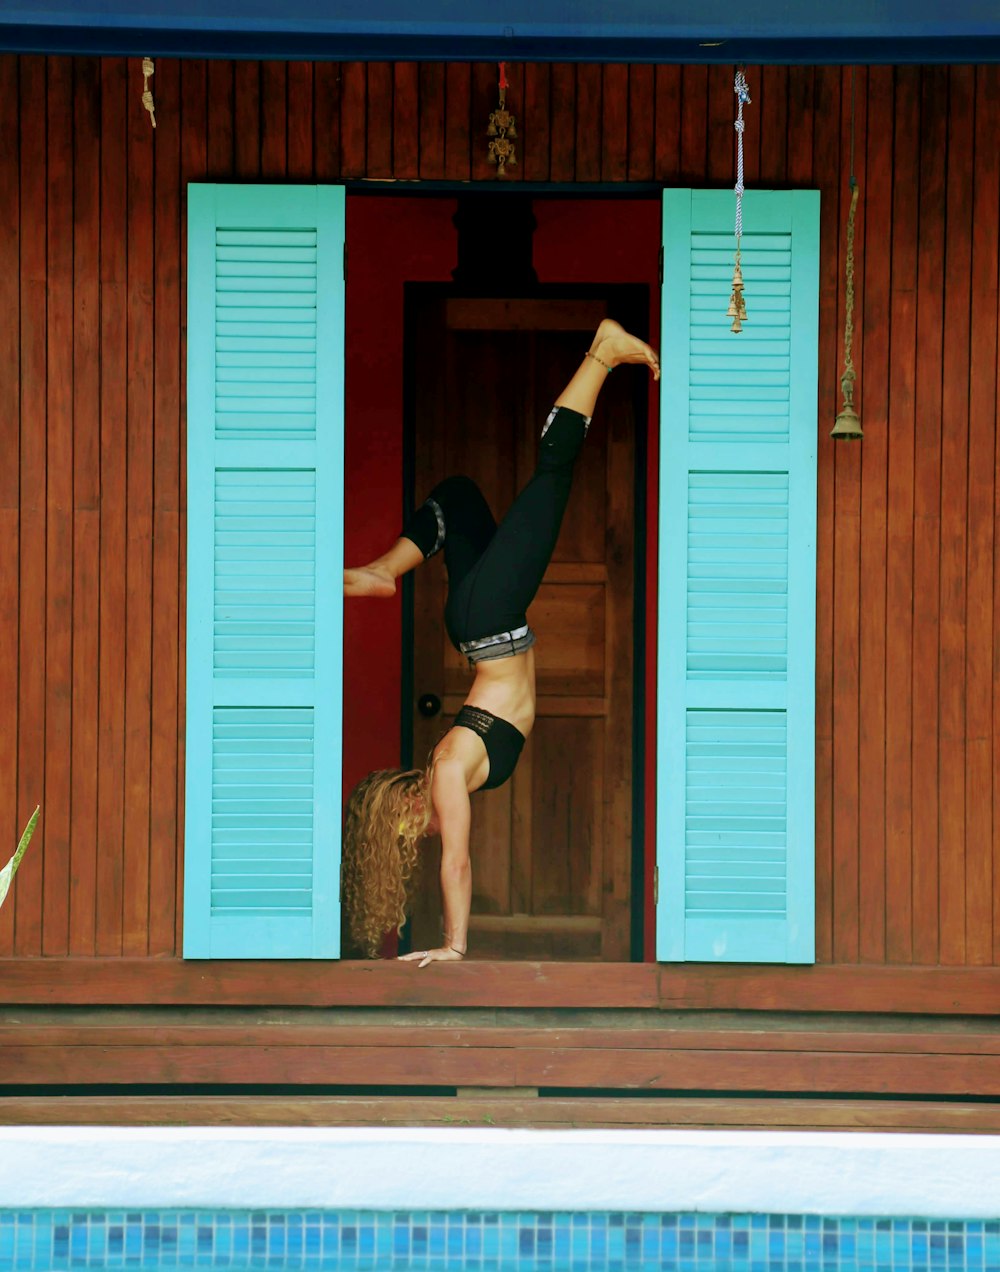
<point x="147" y="95"/>
<point x="501" y="129"/>
<point x="737" y="305"/>
<point x="847" y="426"/>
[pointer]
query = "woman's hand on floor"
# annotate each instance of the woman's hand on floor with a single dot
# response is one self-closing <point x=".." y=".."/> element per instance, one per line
<point x="423" y="957"/>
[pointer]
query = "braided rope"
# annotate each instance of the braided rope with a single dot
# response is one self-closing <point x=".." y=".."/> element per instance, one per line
<point x="742" y="91"/>
<point x="847" y="423"/>
<point x="848" y="378"/>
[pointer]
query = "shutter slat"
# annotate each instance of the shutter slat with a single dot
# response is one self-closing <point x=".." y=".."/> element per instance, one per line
<point x="268" y="377"/>
<point x="261" y="237"/>
<point x="250" y="264"/>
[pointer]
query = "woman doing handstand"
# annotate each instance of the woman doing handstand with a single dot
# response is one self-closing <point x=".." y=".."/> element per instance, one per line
<point x="494" y="572"/>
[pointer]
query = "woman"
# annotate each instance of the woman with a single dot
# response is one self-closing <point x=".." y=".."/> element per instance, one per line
<point x="493" y="575"/>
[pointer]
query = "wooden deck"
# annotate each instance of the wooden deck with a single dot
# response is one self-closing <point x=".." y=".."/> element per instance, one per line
<point x="497" y="1044"/>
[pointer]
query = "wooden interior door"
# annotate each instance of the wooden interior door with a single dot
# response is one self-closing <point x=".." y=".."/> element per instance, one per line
<point x="552" y="848"/>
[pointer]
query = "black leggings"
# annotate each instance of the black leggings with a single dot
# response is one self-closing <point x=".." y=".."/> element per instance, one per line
<point x="495" y="570"/>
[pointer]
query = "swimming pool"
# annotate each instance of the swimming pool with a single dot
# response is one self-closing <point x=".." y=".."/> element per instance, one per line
<point x="493" y="1200"/>
<point x="491" y="1241"/>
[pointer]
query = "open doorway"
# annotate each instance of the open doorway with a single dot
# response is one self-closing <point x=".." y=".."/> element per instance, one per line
<point x="557" y="850"/>
<point x="593" y="253"/>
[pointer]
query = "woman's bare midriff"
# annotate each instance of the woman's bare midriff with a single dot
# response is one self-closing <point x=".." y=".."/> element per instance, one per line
<point x="506" y="688"/>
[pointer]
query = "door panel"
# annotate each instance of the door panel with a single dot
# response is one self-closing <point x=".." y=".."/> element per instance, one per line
<point x="551" y="849"/>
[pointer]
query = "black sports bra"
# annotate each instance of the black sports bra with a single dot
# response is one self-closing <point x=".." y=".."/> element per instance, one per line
<point x="503" y="743"/>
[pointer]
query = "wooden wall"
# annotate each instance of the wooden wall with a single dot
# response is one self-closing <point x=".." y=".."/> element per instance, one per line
<point x="91" y="443"/>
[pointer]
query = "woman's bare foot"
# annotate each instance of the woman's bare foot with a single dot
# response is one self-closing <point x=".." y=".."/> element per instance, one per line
<point x="606" y="331"/>
<point x="369" y="580"/>
<point x="614" y="345"/>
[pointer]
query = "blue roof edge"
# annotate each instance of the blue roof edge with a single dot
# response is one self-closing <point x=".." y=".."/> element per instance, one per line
<point x="765" y="42"/>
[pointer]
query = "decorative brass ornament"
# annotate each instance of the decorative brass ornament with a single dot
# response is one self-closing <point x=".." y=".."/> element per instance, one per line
<point x="737" y="305"/>
<point x="847" y="426"/>
<point x="147" y="94"/>
<point x="502" y="128"/>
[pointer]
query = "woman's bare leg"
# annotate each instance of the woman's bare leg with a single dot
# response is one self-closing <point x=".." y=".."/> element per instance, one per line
<point x="378" y="578"/>
<point x="612" y="345"/>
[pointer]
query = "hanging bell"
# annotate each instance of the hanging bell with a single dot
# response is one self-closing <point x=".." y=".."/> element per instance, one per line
<point x="511" y="130"/>
<point x="491" y="131"/>
<point x="847" y="427"/>
<point x="737" y="308"/>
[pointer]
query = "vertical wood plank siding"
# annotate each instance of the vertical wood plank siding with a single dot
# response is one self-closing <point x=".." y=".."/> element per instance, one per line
<point x="92" y="407"/>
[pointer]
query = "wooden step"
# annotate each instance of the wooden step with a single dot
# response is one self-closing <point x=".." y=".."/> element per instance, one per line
<point x="616" y="1052"/>
<point x="487" y="1110"/>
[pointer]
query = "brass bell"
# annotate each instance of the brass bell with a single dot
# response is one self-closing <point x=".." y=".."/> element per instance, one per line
<point x="511" y="130"/>
<point x="847" y="427"/>
<point x="491" y="131"/>
<point x="737" y="305"/>
<point x="737" y="309"/>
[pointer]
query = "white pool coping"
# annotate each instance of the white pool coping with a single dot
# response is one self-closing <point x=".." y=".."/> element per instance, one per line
<point x="785" y="1172"/>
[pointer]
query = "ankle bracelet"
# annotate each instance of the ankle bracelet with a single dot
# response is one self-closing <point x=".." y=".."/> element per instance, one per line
<point x="606" y="367"/>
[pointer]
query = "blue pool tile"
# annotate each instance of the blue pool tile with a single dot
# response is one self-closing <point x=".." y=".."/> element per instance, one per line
<point x="372" y="1241"/>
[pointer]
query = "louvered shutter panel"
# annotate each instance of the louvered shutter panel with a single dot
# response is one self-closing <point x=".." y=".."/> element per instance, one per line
<point x="265" y="529"/>
<point x="737" y="584"/>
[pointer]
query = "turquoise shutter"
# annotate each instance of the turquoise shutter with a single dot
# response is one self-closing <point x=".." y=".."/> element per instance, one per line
<point x="737" y="582"/>
<point x="265" y="527"/>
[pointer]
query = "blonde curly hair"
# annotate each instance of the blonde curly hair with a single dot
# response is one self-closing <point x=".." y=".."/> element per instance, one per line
<point x="386" y="817"/>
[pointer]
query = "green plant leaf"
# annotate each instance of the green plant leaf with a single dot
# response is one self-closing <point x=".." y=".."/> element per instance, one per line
<point x="9" y="870"/>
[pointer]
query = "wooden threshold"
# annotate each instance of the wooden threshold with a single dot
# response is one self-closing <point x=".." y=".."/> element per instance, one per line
<point x="478" y="1111"/>
<point x="679" y="986"/>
